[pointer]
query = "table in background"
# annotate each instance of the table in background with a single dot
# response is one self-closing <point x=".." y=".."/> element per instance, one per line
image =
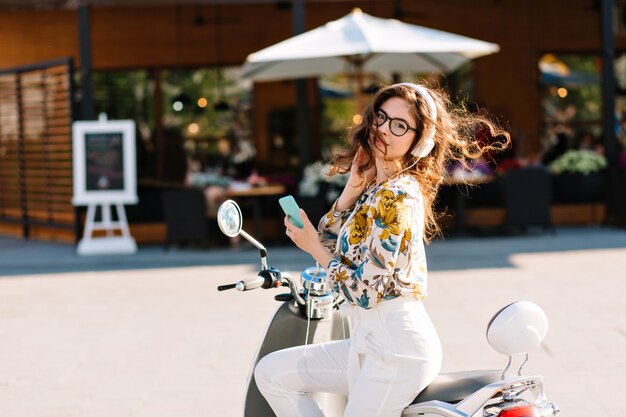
<point x="460" y="198"/>
<point x="254" y="196"/>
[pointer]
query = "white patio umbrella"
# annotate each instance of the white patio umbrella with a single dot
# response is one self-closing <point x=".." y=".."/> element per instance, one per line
<point x="359" y="43"/>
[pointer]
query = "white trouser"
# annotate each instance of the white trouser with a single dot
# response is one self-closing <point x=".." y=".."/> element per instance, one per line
<point x="393" y="354"/>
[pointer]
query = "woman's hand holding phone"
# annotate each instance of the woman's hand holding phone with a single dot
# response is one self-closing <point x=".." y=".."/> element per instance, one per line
<point x="291" y="209"/>
<point x="302" y="232"/>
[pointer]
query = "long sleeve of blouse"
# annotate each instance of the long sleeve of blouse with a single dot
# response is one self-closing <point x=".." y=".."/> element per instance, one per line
<point x="380" y="251"/>
<point x="330" y="224"/>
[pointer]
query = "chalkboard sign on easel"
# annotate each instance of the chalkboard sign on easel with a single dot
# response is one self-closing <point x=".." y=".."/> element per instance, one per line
<point x="104" y="176"/>
<point x="104" y="157"/>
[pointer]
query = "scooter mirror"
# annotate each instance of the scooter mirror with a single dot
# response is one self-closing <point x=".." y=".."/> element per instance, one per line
<point x="229" y="218"/>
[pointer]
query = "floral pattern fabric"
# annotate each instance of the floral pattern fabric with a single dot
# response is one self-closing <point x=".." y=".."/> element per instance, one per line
<point x="378" y="244"/>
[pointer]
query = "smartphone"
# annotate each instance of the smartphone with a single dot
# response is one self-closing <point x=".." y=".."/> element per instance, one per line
<point x="291" y="209"/>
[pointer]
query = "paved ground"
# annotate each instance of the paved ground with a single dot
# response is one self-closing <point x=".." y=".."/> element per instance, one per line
<point x="149" y="335"/>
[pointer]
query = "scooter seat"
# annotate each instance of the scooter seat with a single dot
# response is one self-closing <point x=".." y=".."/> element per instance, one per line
<point x="455" y="386"/>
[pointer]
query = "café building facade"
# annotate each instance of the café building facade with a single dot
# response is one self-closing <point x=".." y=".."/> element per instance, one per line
<point x="70" y="60"/>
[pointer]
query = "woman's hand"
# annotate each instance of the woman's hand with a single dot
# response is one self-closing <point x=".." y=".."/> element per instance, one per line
<point x="358" y="179"/>
<point x="307" y="239"/>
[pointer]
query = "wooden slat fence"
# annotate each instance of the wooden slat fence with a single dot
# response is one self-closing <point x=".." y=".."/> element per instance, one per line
<point x="36" y="115"/>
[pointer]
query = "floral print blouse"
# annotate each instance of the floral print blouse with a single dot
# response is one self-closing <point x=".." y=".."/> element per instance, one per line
<point x="378" y="244"/>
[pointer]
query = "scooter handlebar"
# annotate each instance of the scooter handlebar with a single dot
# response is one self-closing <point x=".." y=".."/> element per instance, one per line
<point x="250" y="284"/>
<point x="226" y="287"/>
<point x="268" y="278"/>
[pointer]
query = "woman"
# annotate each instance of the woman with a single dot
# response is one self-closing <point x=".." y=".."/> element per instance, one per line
<point x="372" y="245"/>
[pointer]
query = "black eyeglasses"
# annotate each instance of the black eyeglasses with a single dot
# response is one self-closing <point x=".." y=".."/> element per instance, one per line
<point x="397" y="127"/>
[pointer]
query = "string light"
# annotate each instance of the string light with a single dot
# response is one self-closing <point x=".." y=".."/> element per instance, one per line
<point x="193" y="128"/>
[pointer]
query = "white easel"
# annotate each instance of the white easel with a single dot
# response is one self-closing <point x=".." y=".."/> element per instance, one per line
<point x="90" y="245"/>
<point x="112" y="243"/>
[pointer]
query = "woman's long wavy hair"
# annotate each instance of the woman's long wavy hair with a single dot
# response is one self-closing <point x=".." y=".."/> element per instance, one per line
<point x="455" y="140"/>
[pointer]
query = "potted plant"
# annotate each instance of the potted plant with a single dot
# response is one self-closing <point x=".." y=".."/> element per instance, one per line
<point x="579" y="176"/>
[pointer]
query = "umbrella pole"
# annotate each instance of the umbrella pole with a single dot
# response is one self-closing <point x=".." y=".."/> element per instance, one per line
<point x="358" y="75"/>
<point x="357" y="63"/>
<point x="360" y="99"/>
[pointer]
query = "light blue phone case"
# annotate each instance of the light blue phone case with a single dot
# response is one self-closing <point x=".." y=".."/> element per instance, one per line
<point x="291" y="209"/>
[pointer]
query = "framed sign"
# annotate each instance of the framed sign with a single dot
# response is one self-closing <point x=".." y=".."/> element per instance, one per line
<point x="104" y="162"/>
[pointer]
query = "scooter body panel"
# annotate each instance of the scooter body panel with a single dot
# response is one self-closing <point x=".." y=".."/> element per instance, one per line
<point x="287" y="328"/>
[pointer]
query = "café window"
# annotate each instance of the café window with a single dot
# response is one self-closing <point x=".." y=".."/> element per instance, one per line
<point x="201" y="113"/>
<point x="130" y="95"/>
<point x="571" y="99"/>
<point x="126" y="95"/>
<point x="208" y="112"/>
<point x="338" y="110"/>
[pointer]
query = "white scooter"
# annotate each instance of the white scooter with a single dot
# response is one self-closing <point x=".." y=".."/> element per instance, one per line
<point x="310" y="311"/>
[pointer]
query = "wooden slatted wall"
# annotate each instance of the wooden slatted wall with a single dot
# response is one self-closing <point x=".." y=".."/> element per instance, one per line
<point x="36" y="114"/>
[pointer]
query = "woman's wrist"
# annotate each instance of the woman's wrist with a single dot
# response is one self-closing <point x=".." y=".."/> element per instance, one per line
<point x="342" y="205"/>
<point x="348" y="197"/>
<point x="322" y="255"/>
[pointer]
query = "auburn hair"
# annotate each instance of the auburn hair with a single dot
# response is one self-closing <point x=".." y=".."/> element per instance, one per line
<point x="455" y="140"/>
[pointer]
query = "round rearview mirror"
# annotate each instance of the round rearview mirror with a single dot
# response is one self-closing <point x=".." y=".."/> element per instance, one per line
<point x="229" y="218"/>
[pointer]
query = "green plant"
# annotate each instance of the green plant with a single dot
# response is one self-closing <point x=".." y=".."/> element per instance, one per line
<point x="578" y="162"/>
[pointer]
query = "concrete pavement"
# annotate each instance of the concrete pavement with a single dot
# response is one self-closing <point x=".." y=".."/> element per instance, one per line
<point x="149" y="335"/>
